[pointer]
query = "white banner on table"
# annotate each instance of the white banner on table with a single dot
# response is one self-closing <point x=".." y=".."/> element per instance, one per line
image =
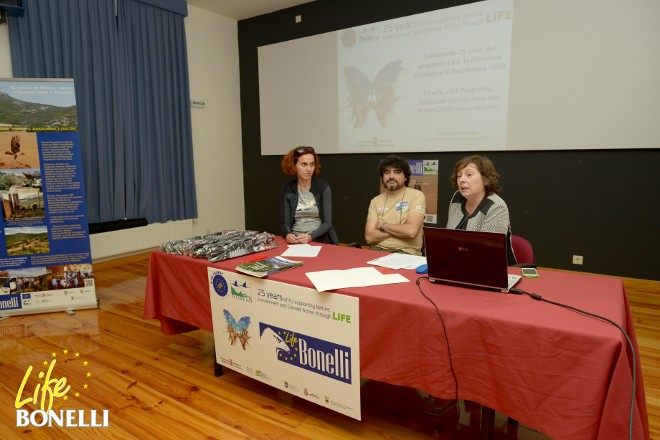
<point x="293" y="338"/>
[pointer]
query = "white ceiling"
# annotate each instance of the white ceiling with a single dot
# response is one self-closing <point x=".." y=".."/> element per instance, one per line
<point x="241" y="9"/>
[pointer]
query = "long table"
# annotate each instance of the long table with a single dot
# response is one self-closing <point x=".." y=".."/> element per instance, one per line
<point x="559" y="371"/>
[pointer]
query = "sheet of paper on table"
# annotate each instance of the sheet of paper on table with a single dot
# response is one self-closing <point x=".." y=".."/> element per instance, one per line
<point x="302" y="250"/>
<point x="356" y="277"/>
<point x="399" y="261"/>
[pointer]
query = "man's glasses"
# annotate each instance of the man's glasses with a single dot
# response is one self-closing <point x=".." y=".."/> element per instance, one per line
<point x="301" y="150"/>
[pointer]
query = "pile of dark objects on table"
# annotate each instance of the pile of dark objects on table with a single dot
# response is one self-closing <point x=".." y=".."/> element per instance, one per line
<point x="221" y="245"/>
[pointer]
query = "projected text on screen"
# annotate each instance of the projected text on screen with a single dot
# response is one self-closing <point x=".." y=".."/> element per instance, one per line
<point x="426" y="82"/>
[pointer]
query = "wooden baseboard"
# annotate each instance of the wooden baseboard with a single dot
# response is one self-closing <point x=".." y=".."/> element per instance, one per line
<point x="120" y="261"/>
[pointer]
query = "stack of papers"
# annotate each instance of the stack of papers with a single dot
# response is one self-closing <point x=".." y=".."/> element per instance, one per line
<point x="399" y="261"/>
<point x="357" y="277"/>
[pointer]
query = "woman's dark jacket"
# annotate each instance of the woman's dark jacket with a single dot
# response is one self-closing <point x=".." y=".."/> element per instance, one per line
<point x="289" y="202"/>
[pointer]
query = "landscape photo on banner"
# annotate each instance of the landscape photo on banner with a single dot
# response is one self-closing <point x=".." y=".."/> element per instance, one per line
<point x="45" y="255"/>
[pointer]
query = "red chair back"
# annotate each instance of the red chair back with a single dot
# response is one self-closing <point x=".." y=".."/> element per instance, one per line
<point x="522" y="249"/>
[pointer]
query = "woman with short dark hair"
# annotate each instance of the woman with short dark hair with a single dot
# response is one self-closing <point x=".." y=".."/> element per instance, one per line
<point x="476" y="204"/>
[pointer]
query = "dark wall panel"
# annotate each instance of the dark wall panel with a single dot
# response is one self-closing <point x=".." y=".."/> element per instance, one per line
<point x="601" y="204"/>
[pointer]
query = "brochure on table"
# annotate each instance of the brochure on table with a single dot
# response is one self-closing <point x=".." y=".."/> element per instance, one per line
<point x="293" y="338"/>
<point x="45" y="256"/>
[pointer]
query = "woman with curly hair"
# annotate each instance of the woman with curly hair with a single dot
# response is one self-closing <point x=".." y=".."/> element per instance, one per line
<point x="306" y="201"/>
<point x="476" y="205"/>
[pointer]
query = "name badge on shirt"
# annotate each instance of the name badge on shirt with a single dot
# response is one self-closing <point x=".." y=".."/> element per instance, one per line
<point x="401" y="206"/>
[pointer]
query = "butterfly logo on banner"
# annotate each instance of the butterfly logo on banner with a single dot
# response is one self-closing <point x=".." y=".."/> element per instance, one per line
<point x="377" y="95"/>
<point x="237" y="330"/>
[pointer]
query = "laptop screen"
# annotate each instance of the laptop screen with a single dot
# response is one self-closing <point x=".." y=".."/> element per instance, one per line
<point x="469" y="258"/>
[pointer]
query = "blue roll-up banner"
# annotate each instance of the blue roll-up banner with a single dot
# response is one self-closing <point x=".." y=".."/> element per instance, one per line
<point x="45" y="255"/>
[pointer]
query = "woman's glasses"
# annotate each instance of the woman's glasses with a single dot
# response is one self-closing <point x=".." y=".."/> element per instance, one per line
<point x="301" y="150"/>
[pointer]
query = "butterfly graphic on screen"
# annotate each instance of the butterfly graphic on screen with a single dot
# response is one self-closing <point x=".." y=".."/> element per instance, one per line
<point x="237" y="330"/>
<point x="377" y="95"/>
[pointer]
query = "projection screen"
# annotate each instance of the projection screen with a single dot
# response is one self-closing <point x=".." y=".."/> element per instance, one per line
<point x="491" y="75"/>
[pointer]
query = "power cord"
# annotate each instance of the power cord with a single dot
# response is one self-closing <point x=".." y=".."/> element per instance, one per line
<point x="538" y="297"/>
<point x="444" y="331"/>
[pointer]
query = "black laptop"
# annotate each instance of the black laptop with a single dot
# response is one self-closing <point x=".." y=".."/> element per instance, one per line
<point x="468" y="258"/>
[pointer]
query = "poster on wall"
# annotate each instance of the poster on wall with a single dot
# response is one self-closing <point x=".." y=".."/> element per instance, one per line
<point x="424" y="177"/>
<point x="293" y="338"/>
<point x="45" y="254"/>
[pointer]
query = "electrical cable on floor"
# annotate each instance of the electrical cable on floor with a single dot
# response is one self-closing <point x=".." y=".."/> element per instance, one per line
<point x="444" y="331"/>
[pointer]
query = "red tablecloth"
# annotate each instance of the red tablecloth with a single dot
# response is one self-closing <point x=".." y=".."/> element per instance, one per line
<point x="562" y="372"/>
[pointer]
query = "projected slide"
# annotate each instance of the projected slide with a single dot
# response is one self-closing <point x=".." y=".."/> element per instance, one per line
<point x="430" y="81"/>
<point x="427" y="82"/>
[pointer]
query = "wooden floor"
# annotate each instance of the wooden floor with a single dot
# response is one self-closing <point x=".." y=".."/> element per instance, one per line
<point x="158" y="386"/>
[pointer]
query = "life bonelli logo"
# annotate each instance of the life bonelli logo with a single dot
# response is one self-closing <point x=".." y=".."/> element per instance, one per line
<point x="43" y="392"/>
